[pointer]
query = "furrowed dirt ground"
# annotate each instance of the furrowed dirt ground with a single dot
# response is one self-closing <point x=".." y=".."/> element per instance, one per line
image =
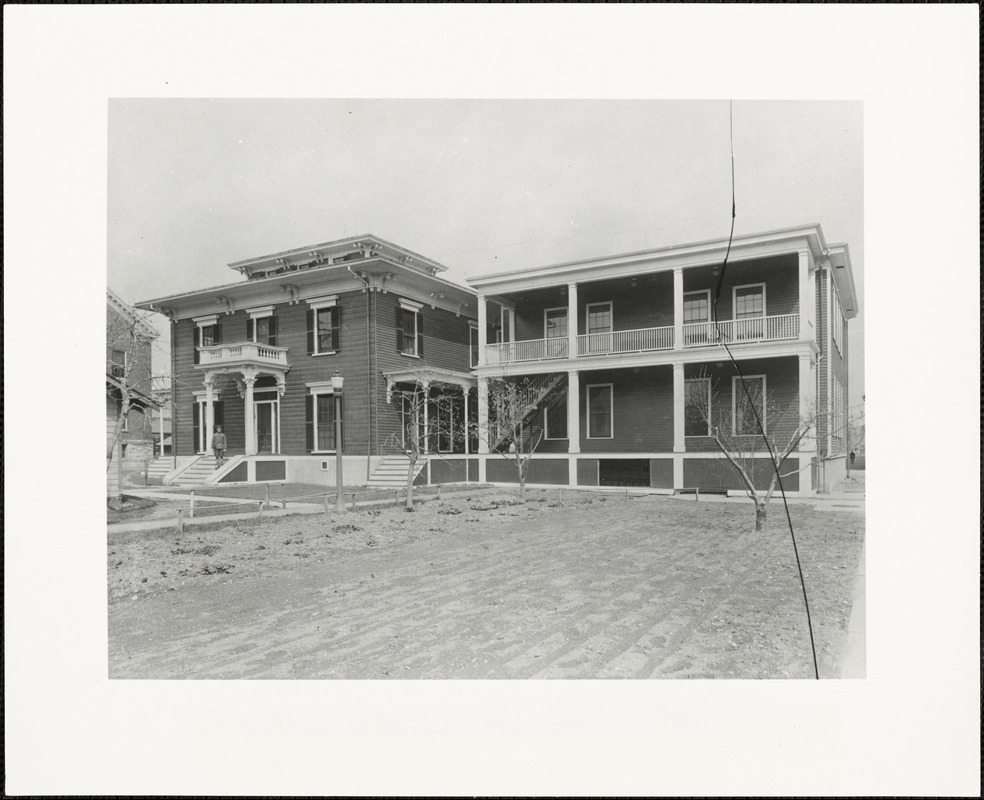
<point x="478" y="585"/>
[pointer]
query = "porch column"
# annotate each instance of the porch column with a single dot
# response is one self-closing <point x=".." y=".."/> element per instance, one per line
<point x="425" y="385"/>
<point x="483" y="329"/>
<point x="571" y="322"/>
<point x="573" y="423"/>
<point x="248" y="417"/>
<point x="161" y="413"/>
<point x="573" y="411"/>
<point x="464" y="393"/>
<point x="807" y="309"/>
<point x="209" y="412"/>
<point x="679" y="409"/>
<point x="678" y="308"/>
<point x="679" y="423"/>
<point x="483" y="415"/>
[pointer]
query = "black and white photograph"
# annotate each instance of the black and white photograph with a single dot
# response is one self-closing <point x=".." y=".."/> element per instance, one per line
<point x="577" y="441"/>
<point x="486" y="400"/>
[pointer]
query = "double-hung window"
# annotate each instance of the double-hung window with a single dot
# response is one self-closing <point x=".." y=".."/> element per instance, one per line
<point x="473" y="344"/>
<point x="324" y="326"/>
<point x="320" y="418"/>
<point x="555" y="332"/>
<point x="555" y="420"/>
<point x="697" y="407"/>
<point x="697" y="310"/>
<point x="208" y="333"/>
<point x="409" y="329"/>
<point x="117" y="360"/>
<point x="600" y="411"/>
<point x="749" y="306"/>
<point x="599" y="319"/>
<point x="836" y="319"/>
<point x="745" y="407"/>
<point x="261" y="327"/>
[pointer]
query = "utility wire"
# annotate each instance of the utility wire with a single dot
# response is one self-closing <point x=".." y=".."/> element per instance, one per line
<point x="748" y="397"/>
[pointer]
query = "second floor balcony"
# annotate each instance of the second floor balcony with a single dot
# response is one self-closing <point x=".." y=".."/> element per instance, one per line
<point x="242" y="354"/>
<point x="780" y="327"/>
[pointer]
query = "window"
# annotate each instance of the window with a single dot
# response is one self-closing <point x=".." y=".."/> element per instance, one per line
<point x="117" y="366"/>
<point x="749" y="301"/>
<point x="320" y="419"/>
<point x="697" y="409"/>
<point x="555" y="420"/>
<point x="697" y="306"/>
<point x="324" y="327"/>
<point x="555" y="323"/>
<point x="261" y="327"/>
<point x="208" y="333"/>
<point x="600" y="422"/>
<point x="409" y="329"/>
<point x="836" y="319"/>
<point x="744" y="421"/>
<point x="473" y="344"/>
<point x="599" y="318"/>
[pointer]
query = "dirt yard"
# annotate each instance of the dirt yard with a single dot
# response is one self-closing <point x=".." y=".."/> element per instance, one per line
<point x="477" y="585"/>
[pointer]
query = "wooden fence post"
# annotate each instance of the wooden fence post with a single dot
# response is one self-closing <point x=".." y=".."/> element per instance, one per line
<point x="267" y="495"/>
<point x="191" y="505"/>
<point x="180" y="521"/>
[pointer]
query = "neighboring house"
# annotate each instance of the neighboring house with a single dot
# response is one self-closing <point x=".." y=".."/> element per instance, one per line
<point x="128" y="354"/>
<point x="161" y="392"/>
<point x="620" y="343"/>
<point x="258" y="356"/>
<point x="610" y="350"/>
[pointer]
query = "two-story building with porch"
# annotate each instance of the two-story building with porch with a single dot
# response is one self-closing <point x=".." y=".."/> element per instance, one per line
<point x="258" y="357"/>
<point x="625" y="348"/>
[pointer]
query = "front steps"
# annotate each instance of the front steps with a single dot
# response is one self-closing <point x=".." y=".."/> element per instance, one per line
<point x="159" y="467"/>
<point x="392" y="472"/>
<point x="197" y="473"/>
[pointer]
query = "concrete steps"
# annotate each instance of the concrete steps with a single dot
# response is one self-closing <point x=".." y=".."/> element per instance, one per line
<point x="392" y="473"/>
<point x="196" y="474"/>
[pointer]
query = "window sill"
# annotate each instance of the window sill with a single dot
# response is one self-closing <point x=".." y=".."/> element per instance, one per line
<point x="410" y="355"/>
<point x="329" y="353"/>
<point x="599" y="438"/>
<point x="555" y="438"/>
<point x="324" y="452"/>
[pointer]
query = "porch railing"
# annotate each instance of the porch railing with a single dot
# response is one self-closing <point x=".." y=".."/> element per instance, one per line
<point x="242" y="351"/>
<point x="527" y="350"/>
<point x="637" y="341"/>
<point x="756" y="329"/>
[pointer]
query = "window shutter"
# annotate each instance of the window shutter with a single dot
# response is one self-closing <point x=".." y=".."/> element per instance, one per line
<point x="217" y="413"/>
<point x="250" y="325"/>
<point x="312" y="322"/>
<point x="336" y="327"/>
<point x="197" y="342"/>
<point x="216" y="333"/>
<point x="273" y="332"/>
<point x="399" y="330"/>
<point x="309" y="422"/>
<point x="420" y="335"/>
<point x="196" y="427"/>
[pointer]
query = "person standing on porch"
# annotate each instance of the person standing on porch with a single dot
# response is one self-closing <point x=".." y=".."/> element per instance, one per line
<point x="219" y="446"/>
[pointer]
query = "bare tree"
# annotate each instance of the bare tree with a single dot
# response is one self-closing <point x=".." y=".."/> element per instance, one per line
<point x="128" y="368"/>
<point x="737" y="434"/>
<point x="511" y="432"/>
<point x="427" y="418"/>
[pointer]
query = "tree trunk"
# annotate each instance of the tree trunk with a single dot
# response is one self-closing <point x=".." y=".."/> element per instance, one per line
<point x="410" y="475"/>
<point x="761" y="513"/>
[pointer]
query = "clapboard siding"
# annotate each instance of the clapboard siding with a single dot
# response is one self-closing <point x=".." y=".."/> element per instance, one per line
<point x="643" y="410"/>
<point x="782" y="399"/>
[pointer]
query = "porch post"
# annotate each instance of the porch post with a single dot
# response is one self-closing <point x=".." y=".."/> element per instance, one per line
<point x="679" y="423"/>
<point x="573" y="423"/>
<point x="807" y="310"/>
<point x="571" y="322"/>
<point x="483" y="329"/>
<point x="483" y="425"/>
<point x="161" y="413"/>
<point x="248" y="417"/>
<point x="209" y="412"/>
<point x="425" y="385"/>
<point x="464" y="393"/>
<point x="678" y="308"/>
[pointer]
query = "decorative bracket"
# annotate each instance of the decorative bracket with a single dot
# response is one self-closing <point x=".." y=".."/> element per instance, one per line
<point x="229" y="305"/>
<point x="438" y="296"/>
<point x="290" y="289"/>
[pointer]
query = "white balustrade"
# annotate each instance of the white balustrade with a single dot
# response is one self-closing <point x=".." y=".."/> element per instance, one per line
<point x="636" y="341"/>
<point x="755" y="329"/>
<point x="526" y="350"/>
<point x="242" y="351"/>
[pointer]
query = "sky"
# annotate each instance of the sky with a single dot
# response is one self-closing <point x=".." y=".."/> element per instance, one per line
<point x="478" y="185"/>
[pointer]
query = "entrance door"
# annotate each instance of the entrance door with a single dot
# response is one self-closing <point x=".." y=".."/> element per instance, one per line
<point x="267" y="426"/>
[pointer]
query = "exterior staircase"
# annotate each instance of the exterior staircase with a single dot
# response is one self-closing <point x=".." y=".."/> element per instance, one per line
<point x="159" y="467"/>
<point x="534" y="393"/>
<point x="392" y="472"/>
<point x="196" y="474"/>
